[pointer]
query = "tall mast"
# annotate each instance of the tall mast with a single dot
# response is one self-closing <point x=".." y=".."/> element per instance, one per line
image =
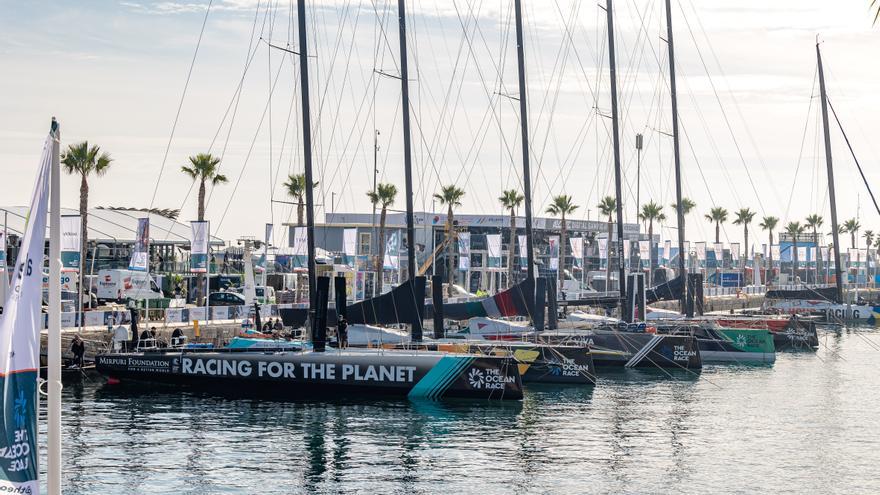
<point x="307" y="152"/>
<point x="837" y="272"/>
<point x="407" y="148"/>
<point x="675" y="152"/>
<point x="524" y="129"/>
<point x="618" y="191"/>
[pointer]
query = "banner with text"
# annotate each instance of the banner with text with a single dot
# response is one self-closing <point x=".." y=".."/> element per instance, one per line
<point x="577" y="250"/>
<point x="464" y="251"/>
<point x="554" y="252"/>
<point x="199" y="243"/>
<point x="349" y="245"/>
<point x="493" y="246"/>
<point x="20" y="326"/>
<point x="523" y="251"/>
<point x="71" y="241"/>
<point x="140" y="255"/>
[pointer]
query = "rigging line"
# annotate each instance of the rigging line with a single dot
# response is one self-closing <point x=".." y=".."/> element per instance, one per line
<point x="803" y="141"/>
<point x="730" y="92"/>
<point x="853" y="153"/>
<point x="237" y="99"/>
<point x="180" y="104"/>
<point x="247" y="157"/>
<point x="723" y="111"/>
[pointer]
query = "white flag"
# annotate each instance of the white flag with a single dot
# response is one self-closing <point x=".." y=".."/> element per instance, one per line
<point x="20" y="326"/>
<point x="554" y="252"/>
<point x="523" y="250"/>
<point x="719" y="252"/>
<point x="645" y="250"/>
<point x="493" y="247"/>
<point x="71" y="241"/>
<point x="577" y="249"/>
<point x="603" y="249"/>
<point x="802" y="254"/>
<point x="775" y="252"/>
<point x="140" y="255"/>
<point x="349" y="242"/>
<point x="464" y="251"/>
<point x="701" y="251"/>
<point x="734" y="251"/>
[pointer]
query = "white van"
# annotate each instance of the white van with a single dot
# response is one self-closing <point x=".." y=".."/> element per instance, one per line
<point x="118" y="285"/>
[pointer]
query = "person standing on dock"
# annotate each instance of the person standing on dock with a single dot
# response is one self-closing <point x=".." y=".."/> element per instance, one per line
<point x="342" y="332"/>
<point x="78" y="349"/>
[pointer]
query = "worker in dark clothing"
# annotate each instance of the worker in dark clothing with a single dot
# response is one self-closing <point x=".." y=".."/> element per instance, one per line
<point x="342" y="332"/>
<point x="177" y="338"/>
<point x="278" y="325"/>
<point x="78" y="348"/>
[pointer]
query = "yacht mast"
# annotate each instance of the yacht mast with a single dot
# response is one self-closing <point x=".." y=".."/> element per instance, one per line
<point x="524" y="129"/>
<point x="837" y="272"/>
<point x="407" y="147"/>
<point x="307" y="153"/>
<point x="615" y="127"/>
<point x="676" y="154"/>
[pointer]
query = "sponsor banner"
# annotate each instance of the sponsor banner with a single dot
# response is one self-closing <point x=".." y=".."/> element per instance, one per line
<point x="603" y="249"/>
<point x="701" y="251"/>
<point x="198" y="313"/>
<point x="71" y="240"/>
<point x="812" y="254"/>
<point x="20" y="326"/>
<point x="392" y="252"/>
<point x="300" y="245"/>
<point x="802" y="254"/>
<point x="349" y="245"/>
<point x="464" y="251"/>
<point x="718" y="248"/>
<point x="268" y="237"/>
<point x="775" y="252"/>
<point x="645" y="250"/>
<point x="2" y="249"/>
<point x="69" y="319"/>
<point x="199" y="241"/>
<point x="493" y="246"/>
<point x="554" y="252"/>
<point x="360" y="285"/>
<point x="667" y="250"/>
<point x="174" y="315"/>
<point x="734" y="251"/>
<point x="140" y="255"/>
<point x="220" y="313"/>
<point x="627" y="247"/>
<point x="523" y="250"/>
<point x="577" y="250"/>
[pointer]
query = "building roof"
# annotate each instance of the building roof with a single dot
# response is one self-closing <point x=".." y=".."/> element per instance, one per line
<point x="109" y="226"/>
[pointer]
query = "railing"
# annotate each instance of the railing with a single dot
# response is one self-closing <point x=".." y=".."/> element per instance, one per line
<point x="170" y="316"/>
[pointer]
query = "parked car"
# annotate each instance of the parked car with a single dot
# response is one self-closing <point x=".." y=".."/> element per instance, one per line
<point x="226" y="299"/>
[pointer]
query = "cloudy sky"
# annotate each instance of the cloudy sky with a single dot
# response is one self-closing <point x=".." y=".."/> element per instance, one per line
<point x="114" y="73"/>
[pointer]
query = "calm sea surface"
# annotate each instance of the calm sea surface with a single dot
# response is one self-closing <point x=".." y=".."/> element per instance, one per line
<point x="807" y="424"/>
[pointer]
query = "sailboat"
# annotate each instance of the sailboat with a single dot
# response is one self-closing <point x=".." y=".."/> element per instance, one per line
<point x="315" y="370"/>
<point x="827" y="303"/>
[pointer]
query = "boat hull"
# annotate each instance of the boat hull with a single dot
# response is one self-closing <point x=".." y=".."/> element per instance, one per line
<point x="537" y="363"/>
<point x="633" y="349"/>
<point x="298" y="375"/>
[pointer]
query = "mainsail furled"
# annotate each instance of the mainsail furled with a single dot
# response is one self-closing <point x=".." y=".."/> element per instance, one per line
<point x="668" y="291"/>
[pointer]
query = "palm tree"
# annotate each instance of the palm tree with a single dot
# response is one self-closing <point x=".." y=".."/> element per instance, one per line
<point x="84" y="160"/>
<point x="794" y="229"/>
<point x="451" y="197"/>
<point x="608" y="207"/>
<point x="744" y="217"/>
<point x="562" y="205"/>
<point x="296" y="188"/>
<point x="769" y="224"/>
<point x="203" y="168"/>
<point x="383" y="196"/>
<point x="651" y="212"/>
<point x="851" y="227"/>
<point x="717" y="215"/>
<point x="814" y="223"/>
<point x="510" y="200"/>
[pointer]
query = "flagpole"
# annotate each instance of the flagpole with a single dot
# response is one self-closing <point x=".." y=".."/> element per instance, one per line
<point x="53" y="467"/>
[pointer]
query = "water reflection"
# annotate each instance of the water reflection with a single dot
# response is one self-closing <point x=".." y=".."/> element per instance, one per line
<point x="635" y="431"/>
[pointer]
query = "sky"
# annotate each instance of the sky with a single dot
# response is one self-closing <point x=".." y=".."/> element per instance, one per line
<point x="142" y="80"/>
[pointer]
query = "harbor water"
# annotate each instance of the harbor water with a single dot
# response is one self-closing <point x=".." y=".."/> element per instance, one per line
<point x="806" y="424"/>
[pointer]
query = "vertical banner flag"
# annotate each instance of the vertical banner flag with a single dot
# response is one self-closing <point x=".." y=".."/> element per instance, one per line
<point x="645" y="250"/>
<point x="667" y="250"/>
<point x="523" y="250"/>
<point x="263" y="261"/>
<point x="269" y="228"/>
<point x="300" y="247"/>
<point x="140" y="255"/>
<point x="349" y="245"/>
<point x="734" y="251"/>
<point x="802" y="254"/>
<point x="718" y="248"/>
<point x="812" y="254"/>
<point x="554" y="252"/>
<point x="199" y="243"/>
<point x="774" y="251"/>
<point x="701" y="251"/>
<point x="603" y="249"/>
<point x="577" y="250"/>
<point x="2" y="249"/>
<point x="20" y="326"/>
<point x="627" y="246"/>
<point x="71" y="241"/>
<point x="493" y="246"/>
<point x="464" y="251"/>
<point x="392" y="252"/>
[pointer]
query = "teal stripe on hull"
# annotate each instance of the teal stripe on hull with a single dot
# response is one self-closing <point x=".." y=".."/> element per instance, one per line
<point x="437" y="380"/>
